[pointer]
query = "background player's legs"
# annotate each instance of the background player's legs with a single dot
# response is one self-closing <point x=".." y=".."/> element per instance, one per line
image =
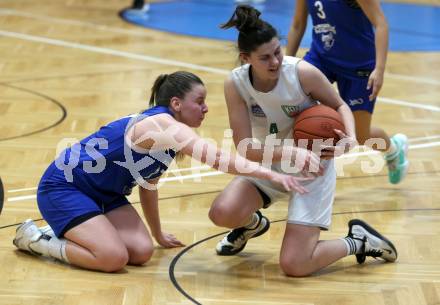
<point x="302" y="253"/>
<point x="235" y="205"/>
<point x="353" y="91"/>
<point x="140" y="6"/>
<point x="365" y="131"/>
<point x="133" y="233"/>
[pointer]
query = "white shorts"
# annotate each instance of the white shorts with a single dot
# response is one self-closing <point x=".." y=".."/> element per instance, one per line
<point x="311" y="209"/>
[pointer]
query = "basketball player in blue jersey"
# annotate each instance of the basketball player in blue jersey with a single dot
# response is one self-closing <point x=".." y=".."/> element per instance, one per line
<point x="263" y="96"/>
<point x="347" y="50"/>
<point x="82" y="195"/>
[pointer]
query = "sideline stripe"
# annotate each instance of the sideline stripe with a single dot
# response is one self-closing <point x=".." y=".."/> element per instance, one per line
<point x="112" y="29"/>
<point x="137" y="31"/>
<point x="408" y="104"/>
<point x="423" y="80"/>
<point x="113" y="52"/>
<point x="166" y="179"/>
<point x="168" y="171"/>
<point x="176" y="63"/>
<point x="23" y="189"/>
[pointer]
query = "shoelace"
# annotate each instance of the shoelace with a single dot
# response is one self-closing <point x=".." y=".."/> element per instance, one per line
<point x="374" y="253"/>
<point x="236" y="235"/>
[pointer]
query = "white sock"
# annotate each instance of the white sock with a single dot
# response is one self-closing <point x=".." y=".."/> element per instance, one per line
<point x="253" y="222"/>
<point x="354" y="246"/>
<point x="49" y="246"/>
<point x="391" y="150"/>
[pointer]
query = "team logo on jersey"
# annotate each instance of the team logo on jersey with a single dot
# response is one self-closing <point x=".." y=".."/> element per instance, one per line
<point x="328" y="40"/>
<point x="328" y="33"/>
<point x="291" y="110"/>
<point x="356" y="101"/>
<point x="257" y="111"/>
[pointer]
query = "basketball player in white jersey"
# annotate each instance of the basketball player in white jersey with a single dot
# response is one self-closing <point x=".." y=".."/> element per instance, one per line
<point x="263" y="96"/>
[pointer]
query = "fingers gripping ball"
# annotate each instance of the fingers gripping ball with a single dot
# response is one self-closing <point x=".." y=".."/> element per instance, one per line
<point x="317" y="122"/>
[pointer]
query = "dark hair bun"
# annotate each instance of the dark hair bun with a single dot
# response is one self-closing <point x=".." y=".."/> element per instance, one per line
<point x="245" y="18"/>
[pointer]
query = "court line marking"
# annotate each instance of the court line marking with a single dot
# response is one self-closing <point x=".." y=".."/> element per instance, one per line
<point x="101" y="50"/>
<point x="113" y="29"/>
<point x="177" y="258"/>
<point x="423" y="80"/>
<point x="433" y="137"/>
<point x="217" y="173"/>
<point x="179" y="170"/>
<point x="408" y="104"/>
<point x="169" y="62"/>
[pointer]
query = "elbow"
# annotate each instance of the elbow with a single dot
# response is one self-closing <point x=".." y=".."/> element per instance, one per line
<point x="297" y="27"/>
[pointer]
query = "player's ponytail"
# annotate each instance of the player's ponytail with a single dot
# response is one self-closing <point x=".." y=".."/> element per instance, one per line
<point x="253" y="31"/>
<point x="157" y="83"/>
<point x="245" y="18"/>
<point x="167" y="86"/>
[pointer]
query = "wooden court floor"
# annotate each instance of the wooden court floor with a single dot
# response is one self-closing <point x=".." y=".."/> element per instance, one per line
<point x="69" y="66"/>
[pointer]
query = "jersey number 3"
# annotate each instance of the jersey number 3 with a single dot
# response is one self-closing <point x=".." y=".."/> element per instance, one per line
<point x="320" y="8"/>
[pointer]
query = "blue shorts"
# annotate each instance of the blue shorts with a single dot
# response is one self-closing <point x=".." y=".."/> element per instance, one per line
<point x="352" y="85"/>
<point x="64" y="206"/>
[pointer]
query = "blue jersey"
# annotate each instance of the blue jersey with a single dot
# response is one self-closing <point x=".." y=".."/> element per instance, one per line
<point x="343" y="37"/>
<point x="103" y="166"/>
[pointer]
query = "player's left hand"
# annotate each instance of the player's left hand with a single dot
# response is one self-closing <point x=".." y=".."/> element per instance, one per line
<point x="375" y="81"/>
<point x="167" y="240"/>
<point x="344" y="145"/>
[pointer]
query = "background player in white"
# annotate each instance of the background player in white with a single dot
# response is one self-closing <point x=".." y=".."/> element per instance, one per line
<point x="262" y="97"/>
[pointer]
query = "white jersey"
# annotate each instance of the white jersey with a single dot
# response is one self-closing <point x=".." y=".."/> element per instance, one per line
<point x="272" y="112"/>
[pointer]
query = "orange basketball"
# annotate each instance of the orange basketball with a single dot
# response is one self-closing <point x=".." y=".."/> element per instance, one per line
<point x="317" y="122"/>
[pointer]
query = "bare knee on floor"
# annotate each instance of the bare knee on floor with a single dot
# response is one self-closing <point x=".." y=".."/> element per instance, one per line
<point x="294" y="268"/>
<point x="140" y="253"/>
<point x="112" y="259"/>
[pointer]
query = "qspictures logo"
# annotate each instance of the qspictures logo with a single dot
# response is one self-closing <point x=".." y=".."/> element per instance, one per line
<point x="158" y="157"/>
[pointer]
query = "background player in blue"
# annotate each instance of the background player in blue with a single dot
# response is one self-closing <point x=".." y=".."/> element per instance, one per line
<point x="347" y="50"/>
<point x="82" y="195"/>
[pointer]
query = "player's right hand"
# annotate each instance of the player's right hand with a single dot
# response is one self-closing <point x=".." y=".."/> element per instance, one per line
<point x="290" y="183"/>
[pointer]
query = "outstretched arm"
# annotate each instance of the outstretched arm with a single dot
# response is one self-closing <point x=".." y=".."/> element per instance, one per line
<point x="162" y="132"/>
